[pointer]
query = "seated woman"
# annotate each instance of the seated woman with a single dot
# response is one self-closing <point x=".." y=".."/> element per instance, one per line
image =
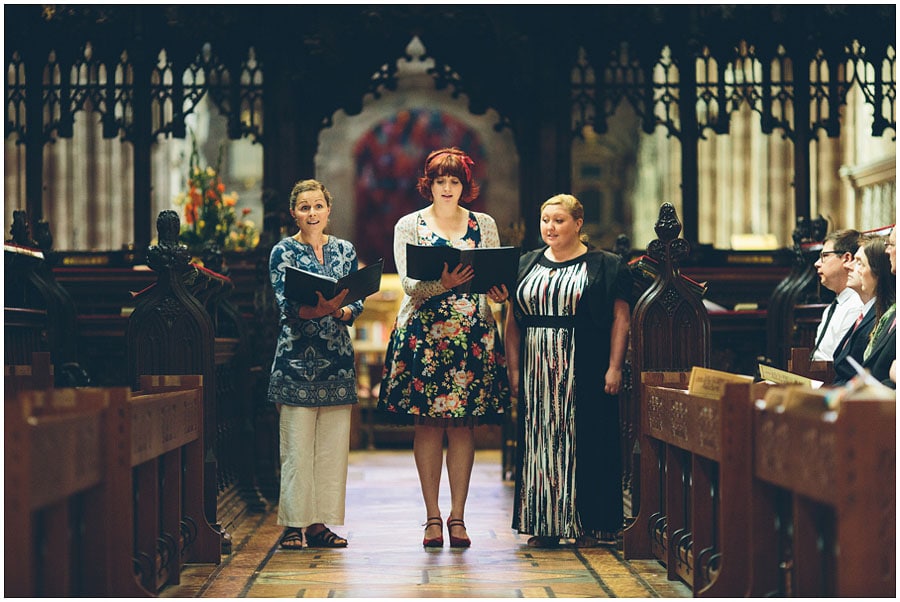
<point x="881" y="352"/>
<point x="871" y="278"/>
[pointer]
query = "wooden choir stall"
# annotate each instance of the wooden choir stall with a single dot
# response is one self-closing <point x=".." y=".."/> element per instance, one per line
<point x="747" y="487"/>
<point x="125" y="466"/>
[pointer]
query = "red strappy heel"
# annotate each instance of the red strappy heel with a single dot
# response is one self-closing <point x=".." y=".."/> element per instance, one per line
<point x="458" y="542"/>
<point x="434" y="542"/>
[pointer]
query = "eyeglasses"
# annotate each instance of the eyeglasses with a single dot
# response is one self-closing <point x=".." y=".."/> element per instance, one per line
<point x="825" y="254"/>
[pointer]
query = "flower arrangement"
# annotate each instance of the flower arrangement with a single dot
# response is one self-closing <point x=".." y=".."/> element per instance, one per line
<point x="209" y="212"/>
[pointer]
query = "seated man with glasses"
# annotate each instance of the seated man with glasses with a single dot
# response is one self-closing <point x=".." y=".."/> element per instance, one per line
<point x="833" y="266"/>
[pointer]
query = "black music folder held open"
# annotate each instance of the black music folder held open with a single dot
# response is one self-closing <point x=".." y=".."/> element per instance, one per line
<point x="301" y="286"/>
<point x="493" y="266"/>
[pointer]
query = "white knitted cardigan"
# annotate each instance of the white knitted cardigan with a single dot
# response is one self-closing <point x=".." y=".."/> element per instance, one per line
<point x="418" y="291"/>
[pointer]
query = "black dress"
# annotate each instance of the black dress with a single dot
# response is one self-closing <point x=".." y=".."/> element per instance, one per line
<point x="569" y="476"/>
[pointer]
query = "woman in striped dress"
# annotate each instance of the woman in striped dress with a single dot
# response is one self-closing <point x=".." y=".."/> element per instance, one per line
<point x="565" y="343"/>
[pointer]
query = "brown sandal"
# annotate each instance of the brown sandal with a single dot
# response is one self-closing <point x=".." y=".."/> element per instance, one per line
<point x="326" y="538"/>
<point x="291" y="539"/>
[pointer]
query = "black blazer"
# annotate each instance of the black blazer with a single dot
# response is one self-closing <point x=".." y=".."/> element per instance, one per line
<point x="883" y="353"/>
<point x="853" y="344"/>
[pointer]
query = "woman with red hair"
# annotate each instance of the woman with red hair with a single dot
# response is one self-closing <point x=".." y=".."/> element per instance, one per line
<point x="445" y="368"/>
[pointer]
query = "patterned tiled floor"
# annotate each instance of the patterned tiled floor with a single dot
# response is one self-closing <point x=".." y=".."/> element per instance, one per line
<point x="386" y="559"/>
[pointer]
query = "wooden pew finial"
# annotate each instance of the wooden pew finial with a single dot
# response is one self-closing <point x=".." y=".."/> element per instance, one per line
<point x="668" y="248"/>
<point x="169" y="253"/>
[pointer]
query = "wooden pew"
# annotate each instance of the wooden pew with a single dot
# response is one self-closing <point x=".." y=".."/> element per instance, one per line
<point x="30" y="284"/>
<point x="702" y="537"/>
<point x="104" y="298"/>
<point x="828" y="480"/>
<point x="799" y="363"/>
<point x="777" y="498"/>
<point x="236" y="378"/>
<point x="167" y="464"/>
<point x="103" y="487"/>
<point x="26" y="325"/>
<point x="36" y="375"/>
<point x="67" y="494"/>
<point x="170" y="332"/>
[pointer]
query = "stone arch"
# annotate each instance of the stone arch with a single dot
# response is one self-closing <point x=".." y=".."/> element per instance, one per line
<point x="416" y="95"/>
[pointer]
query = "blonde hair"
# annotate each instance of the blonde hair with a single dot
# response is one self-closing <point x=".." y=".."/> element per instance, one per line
<point x="572" y="206"/>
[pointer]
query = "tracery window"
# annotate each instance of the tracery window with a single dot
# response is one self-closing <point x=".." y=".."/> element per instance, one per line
<point x="88" y="123"/>
<point x="745" y="114"/>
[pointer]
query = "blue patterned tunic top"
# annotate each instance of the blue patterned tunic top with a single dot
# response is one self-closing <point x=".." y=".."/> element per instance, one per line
<point x="313" y="363"/>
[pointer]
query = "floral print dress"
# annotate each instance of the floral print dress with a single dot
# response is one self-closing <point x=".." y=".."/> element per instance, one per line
<point x="446" y="362"/>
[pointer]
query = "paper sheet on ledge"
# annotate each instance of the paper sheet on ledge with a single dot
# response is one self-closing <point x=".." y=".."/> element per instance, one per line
<point x="783" y="377"/>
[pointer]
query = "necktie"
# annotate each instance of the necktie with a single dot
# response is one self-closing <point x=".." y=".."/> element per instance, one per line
<point x="831" y="310"/>
<point x="849" y="336"/>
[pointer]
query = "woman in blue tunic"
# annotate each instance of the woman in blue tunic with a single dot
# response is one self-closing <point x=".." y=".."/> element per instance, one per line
<point x="565" y="343"/>
<point x="445" y="369"/>
<point x="313" y="380"/>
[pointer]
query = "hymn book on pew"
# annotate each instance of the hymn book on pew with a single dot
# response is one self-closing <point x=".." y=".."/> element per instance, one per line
<point x="493" y="266"/>
<point x="705" y="382"/>
<point x="301" y="286"/>
<point x="783" y="377"/>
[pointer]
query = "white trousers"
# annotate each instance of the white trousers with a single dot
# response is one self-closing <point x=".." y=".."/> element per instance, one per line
<point x="315" y="450"/>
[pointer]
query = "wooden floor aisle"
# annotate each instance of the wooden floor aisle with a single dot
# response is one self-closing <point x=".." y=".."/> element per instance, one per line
<point x="385" y="558"/>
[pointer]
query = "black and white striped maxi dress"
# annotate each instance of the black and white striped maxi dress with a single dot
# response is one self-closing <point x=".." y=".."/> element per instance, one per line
<point x="548" y="296"/>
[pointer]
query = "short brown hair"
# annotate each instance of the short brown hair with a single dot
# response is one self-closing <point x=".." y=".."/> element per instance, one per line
<point x="449" y="162"/>
<point x="845" y="241"/>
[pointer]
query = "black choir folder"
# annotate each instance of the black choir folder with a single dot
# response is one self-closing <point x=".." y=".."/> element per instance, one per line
<point x="301" y="286"/>
<point x="493" y="266"/>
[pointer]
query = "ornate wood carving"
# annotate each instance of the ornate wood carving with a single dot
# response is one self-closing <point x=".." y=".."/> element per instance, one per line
<point x="143" y="68"/>
<point x="169" y="332"/>
<point x="670" y="331"/>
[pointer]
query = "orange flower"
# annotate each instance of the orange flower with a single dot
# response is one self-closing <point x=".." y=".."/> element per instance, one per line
<point x="210" y="214"/>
